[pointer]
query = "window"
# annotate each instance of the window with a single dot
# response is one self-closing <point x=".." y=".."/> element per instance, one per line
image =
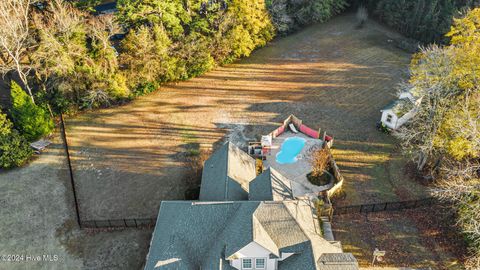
<point x="259" y="263"/>
<point x="246" y="263"/>
<point x="389" y="118"/>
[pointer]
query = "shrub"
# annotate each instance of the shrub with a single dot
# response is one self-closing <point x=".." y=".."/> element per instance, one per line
<point x="145" y="88"/>
<point x="5" y="125"/>
<point x="31" y="120"/>
<point x="14" y="149"/>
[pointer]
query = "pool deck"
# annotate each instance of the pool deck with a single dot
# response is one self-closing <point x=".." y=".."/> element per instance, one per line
<point x="296" y="172"/>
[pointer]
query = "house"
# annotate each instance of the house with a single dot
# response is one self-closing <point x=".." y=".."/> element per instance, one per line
<point x="243" y="221"/>
<point x="399" y="111"/>
<point x="242" y="235"/>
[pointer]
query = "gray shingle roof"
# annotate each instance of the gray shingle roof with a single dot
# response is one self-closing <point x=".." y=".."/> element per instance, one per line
<point x="337" y="261"/>
<point x="190" y="235"/>
<point x="227" y="174"/>
<point x="270" y="186"/>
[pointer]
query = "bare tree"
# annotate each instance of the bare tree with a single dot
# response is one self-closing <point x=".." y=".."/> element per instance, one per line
<point x="362" y="16"/>
<point x="101" y="29"/>
<point x="437" y="93"/>
<point x="319" y="161"/>
<point x="57" y="53"/>
<point x="15" y="40"/>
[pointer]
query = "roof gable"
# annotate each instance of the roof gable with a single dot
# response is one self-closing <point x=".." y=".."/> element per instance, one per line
<point x="261" y="187"/>
<point x="261" y="237"/>
<point x="279" y="224"/>
<point x="226" y="174"/>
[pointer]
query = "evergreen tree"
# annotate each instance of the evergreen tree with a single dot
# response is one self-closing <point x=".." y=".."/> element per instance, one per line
<point x="14" y="149"/>
<point x="425" y="20"/>
<point x="31" y="120"/>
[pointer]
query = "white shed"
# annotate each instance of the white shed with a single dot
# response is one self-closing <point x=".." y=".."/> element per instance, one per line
<point x="399" y="111"/>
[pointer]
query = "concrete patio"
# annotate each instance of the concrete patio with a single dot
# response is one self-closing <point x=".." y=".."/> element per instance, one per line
<point x="296" y="172"/>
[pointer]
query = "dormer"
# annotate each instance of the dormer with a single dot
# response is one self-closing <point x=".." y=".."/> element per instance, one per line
<point x="255" y="256"/>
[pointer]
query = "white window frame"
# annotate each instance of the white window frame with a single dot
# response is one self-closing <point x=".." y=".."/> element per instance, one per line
<point x="251" y="263"/>
<point x="389" y="118"/>
<point x="264" y="263"/>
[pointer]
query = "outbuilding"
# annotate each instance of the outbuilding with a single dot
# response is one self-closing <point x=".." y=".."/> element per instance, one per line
<point x="399" y="111"/>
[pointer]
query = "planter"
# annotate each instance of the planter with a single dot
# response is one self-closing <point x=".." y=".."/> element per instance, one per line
<point x="324" y="179"/>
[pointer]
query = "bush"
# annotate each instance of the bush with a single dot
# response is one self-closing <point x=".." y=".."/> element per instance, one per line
<point x="30" y="119"/>
<point x="14" y="149"/>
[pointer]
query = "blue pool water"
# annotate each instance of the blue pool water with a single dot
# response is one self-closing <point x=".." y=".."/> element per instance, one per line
<point x="289" y="150"/>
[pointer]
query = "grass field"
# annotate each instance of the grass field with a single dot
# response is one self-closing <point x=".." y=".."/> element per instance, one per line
<point x="126" y="159"/>
<point x="129" y="158"/>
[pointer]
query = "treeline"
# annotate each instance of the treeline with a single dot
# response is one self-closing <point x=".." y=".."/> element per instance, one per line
<point x="425" y="20"/>
<point x="443" y="138"/>
<point x="290" y="15"/>
<point x="65" y="58"/>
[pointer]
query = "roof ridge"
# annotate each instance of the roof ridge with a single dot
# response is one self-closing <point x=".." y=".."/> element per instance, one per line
<point x="230" y="220"/>
<point x="258" y="223"/>
<point x="226" y="170"/>
<point x="296" y="221"/>
<point x="303" y="231"/>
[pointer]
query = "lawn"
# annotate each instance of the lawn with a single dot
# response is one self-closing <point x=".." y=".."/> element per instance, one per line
<point x="417" y="238"/>
<point x="37" y="218"/>
<point x="334" y="76"/>
<point x="127" y="159"/>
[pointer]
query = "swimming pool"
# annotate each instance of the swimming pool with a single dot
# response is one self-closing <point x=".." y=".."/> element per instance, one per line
<point x="289" y="150"/>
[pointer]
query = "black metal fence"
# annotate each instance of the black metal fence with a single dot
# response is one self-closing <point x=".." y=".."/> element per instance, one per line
<point x="99" y="224"/>
<point x="385" y="206"/>
<point x="119" y="223"/>
<point x="70" y="170"/>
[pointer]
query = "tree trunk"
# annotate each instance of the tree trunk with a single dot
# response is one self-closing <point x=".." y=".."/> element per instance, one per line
<point x="23" y="78"/>
<point x="422" y="161"/>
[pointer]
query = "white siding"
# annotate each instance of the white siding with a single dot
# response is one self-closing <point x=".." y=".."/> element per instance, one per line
<point x="396" y="122"/>
<point x="253" y="250"/>
<point x="392" y="124"/>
